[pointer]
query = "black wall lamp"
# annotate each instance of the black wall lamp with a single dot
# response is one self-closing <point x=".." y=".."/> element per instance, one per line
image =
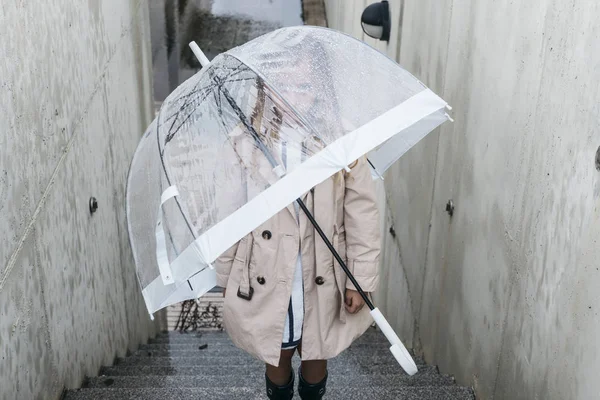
<point x="375" y="21"/>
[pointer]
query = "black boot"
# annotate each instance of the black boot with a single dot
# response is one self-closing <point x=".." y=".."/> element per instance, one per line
<point x="275" y="392"/>
<point x="309" y="391"/>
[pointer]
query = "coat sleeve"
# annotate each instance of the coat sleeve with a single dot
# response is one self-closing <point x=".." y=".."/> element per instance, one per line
<point x="361" y="220"/>
<point x="223" y="265"/>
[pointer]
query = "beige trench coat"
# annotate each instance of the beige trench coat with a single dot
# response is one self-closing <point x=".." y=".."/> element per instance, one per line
<point x="345" y="208"/>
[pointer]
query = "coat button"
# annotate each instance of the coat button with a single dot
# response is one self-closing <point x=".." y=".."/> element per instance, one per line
<point x="266" y="235"/>
<point x="261" y="280"/>
<point x="319" y="280"/>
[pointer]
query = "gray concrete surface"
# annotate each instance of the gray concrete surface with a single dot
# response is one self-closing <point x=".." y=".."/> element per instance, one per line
<point x="366" y="370"/>
<point x="76" y="96"/>
<point x="504" y="293"/>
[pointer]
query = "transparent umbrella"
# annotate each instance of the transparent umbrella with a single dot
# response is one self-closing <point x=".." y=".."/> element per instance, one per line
<point x="214" y="165"/>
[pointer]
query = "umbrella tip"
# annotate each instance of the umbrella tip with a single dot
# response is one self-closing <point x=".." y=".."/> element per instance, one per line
<point x="199" y="54"/>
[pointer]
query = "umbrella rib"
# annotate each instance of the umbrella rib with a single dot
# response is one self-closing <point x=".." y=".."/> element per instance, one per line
<point x="173" y="131"/>
<point x="185" y="106"/>
<point x="196" y="91"/>
<point x="171" y="134"/>
<point x="162" y="160"/>
<point x="211" y="86"/>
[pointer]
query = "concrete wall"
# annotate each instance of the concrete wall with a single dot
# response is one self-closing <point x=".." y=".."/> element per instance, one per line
<point x="504" y="294"/>
<point x="76" y="81"/>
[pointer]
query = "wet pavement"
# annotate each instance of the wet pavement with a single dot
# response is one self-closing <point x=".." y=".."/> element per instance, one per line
<point x="282" y="12"/>
<point x="216" y="25"/>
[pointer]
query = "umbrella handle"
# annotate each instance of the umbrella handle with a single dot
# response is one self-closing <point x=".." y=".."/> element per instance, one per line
<point x="398" y="350"/>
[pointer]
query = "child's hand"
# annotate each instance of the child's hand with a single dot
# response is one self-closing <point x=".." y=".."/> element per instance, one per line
<point x="354" y="301"/>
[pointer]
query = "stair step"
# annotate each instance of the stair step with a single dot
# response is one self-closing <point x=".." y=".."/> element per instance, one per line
<point x="371" y="337"/>
<point x="225" y="341"/>
<point x="241" y="370"/>
<point x="231" y="351"/>
<point x="245" y="393"/>
<point x="220" y="341"/>
<point x="228" y="346"/>
<point x="369" y="331"/>
<point x="256" y="379"/>
<point x="350" y="359"/>
<point x="253" y="378"/>
<point x="190" y="345"/>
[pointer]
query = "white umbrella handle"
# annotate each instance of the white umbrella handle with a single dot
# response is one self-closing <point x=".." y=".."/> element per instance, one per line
<point x="398" y="350"/>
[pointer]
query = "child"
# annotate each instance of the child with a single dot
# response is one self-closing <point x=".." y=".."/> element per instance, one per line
<point x="284" y="292"/>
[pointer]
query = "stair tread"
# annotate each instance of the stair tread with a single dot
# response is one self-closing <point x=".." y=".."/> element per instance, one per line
<point x="374" y="356"/>
<point x="207" y="339"/>
<point x="230" y="351"/>
<point x="253" y="378"/>
<point x="226" y="342"/>
<point x="241" y="370"/>
<point x="371" y="336"/>
<point x="216" y="359"/>
<point x="246" y="393"/>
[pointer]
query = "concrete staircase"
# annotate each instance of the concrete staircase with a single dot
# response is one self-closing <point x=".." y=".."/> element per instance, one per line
<point x="208" y="366"/>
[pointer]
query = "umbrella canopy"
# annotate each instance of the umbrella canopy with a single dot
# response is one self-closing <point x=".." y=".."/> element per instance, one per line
<point x="255" y="129"/>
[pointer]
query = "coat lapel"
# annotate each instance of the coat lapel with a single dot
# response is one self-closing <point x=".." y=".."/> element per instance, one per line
<point x="292" y="210"/>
